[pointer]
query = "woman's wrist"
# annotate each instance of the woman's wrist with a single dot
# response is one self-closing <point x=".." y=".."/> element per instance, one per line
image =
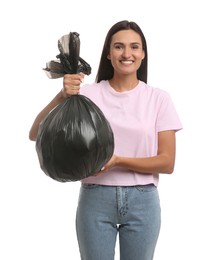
<point x="60" y="97"/>
<point x="63" y="94"/>
<point x="117" y="160"/>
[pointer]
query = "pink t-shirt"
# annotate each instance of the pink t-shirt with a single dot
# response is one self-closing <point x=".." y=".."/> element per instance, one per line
<point x="136" y="116"/>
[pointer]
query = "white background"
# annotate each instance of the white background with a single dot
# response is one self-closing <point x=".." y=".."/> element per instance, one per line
<point x="37" y="218"/>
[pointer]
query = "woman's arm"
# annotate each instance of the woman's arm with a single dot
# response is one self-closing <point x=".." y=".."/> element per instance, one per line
<point x="162" y="163"/>
<point x="71" y="86"/>
<point x="59" y="98"/>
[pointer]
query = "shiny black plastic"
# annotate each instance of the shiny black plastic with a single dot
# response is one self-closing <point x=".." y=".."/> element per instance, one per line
<point x="75" y="139"/>
<point x="68" y="60"/>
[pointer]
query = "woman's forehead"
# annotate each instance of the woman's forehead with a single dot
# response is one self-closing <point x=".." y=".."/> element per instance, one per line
<point x="126" y="36"/>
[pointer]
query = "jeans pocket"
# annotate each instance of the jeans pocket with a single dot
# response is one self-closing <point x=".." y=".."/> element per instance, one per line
<point x="146" y="188"/>
<point x="89" y="186"/>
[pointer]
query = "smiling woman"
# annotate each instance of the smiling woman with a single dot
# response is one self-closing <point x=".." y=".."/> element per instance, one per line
<point x="126" y="54"/>
<point x="38" y="214"/>
<point x="144" y="122"/>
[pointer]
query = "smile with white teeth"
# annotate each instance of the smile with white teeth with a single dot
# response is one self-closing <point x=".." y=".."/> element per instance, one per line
<point x="126" y="61"/>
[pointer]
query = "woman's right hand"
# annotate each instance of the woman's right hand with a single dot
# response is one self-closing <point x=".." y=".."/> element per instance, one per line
<point x="71" y="84"/>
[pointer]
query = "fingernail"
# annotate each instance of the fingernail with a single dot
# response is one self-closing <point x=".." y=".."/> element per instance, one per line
<point x="82" y="78"/>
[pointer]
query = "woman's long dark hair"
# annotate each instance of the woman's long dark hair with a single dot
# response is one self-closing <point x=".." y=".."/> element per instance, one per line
<point x="106" y="70"/>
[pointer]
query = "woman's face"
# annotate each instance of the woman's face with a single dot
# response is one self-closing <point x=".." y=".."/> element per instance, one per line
<point x="126" y="52"/>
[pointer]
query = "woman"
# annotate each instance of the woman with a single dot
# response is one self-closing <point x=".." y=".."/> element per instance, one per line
<point x="123" y="197"/>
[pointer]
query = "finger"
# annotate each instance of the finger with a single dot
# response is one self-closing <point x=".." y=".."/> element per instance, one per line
<point x="71" y="77"/>
<point x="82" y="77"/>
<point x="100" y="172"/>
<point x="73" y="92"/>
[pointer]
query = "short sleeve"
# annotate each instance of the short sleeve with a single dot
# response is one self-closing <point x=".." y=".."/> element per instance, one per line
<point x="168" y="118"/>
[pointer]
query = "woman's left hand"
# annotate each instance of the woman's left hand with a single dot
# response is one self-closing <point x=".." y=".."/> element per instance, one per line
<point x="111" y="163"/>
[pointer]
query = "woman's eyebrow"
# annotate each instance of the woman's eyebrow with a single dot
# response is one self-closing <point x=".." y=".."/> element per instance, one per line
<point x="138" y="43"/>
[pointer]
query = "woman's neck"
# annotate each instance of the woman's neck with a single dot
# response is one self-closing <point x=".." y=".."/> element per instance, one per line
<point x="123" y="84"/>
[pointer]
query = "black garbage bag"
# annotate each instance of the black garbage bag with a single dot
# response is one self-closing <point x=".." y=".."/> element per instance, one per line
<point x="75" y="139"/>
<point x="68" y="60"/>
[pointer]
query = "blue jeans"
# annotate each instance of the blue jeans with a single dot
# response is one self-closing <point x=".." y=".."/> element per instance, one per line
<point x="105" y="211"/>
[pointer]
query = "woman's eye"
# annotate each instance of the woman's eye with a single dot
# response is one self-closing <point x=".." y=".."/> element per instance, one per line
<point x="118" y="46"/>
<point x="135" y="47"/>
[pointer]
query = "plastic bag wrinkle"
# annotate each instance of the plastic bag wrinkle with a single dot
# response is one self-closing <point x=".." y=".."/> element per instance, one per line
<point x="68" y="60"/>
<point x="74" y="140"/>
<point x="76" y="146"/>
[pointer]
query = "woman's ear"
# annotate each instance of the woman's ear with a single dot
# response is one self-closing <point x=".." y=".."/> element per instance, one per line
<point x="143" y="55"/>
<point x="108" y="57"/>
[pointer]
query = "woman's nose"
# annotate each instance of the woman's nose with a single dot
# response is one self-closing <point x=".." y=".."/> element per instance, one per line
<point x="126" y="52"/>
